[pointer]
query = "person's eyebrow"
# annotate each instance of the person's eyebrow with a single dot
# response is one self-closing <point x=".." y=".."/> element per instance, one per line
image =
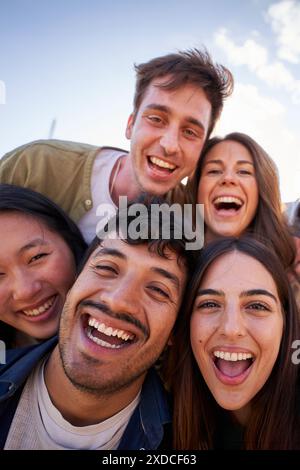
<point x="215" y="161"/>
<point x="254" y="292"/>
<point x="110" y="252"/>
<point x="210" y="292"/>
<point x="163" y="272"/>
<point x="166" y="109"/>
<point x="220" y="162"/>
<point x="32" y="244"/>
<point x="243" y="162"/>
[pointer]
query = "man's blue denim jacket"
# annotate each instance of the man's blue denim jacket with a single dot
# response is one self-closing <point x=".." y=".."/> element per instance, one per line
<point x="145" y="430"/>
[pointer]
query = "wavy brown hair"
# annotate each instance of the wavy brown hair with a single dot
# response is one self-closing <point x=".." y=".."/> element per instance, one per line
<point x="274" y="421"/>
<point x="192" y="66"/>
<point x="269" y="224"/>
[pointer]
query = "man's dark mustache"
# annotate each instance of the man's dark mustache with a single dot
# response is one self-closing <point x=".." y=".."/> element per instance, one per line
<point x="119" y="315"/>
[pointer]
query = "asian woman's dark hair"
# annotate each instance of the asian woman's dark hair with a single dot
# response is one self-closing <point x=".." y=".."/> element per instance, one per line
<point x="274" y="421"/>
<point x="269" y="224"/>
<point x="26" y="201"/>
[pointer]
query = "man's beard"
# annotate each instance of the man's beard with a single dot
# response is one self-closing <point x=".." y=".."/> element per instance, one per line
<point x="89" y="384"/>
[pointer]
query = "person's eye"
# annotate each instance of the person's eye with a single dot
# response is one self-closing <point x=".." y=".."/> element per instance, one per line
<point x="207" y="304"/>
<point x="245" y="172"/>
<point x="38" y="256"/>
<point x="190" y="133"/>
<point x="159" y="292"/>
<point x="214" y="171"/>
<point x="154" y="119"/>
<point x="106" y="269"/>
<point x="258" y="307"/>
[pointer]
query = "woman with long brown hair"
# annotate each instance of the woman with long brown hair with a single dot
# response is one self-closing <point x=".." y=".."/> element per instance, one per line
<point x="238" y="184"/>
<point x="233" y="369"/>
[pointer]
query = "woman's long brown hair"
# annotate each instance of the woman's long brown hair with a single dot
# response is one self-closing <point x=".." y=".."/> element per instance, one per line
<point x="274" y="421"/>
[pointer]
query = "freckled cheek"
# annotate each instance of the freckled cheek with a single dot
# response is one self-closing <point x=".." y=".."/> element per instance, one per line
<point x="61" y="275"/>
<point x="84" y="287"/>
<point x="197" y="334"/>
<point x="161" y="321"/>
<point x="268" y="349"/>
<point x="270" y="346"/>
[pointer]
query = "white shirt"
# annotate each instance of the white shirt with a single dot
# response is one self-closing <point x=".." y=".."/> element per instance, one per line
<point x="90" y="223"/>
<point x="38" y="425"/>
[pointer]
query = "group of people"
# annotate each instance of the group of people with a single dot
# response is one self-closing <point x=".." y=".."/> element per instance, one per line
<point x="136" y="342"/>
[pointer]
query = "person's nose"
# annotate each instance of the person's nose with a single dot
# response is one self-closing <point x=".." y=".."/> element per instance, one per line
<point x="232" y="322"/>
<point x="124" y="297"/>
<point x="170" y="140"/>
<point x="25" y="286"/>
<point x="229" y="177"/>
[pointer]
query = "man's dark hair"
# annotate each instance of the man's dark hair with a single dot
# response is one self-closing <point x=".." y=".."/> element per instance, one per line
<point x="156" y="244"/>
<point x="192" y="66"/>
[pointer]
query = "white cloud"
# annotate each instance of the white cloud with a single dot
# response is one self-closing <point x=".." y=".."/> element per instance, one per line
<point x="250" y="53"/>
<point x="264" y="119"/>
<point x="255" y="57"/>
<point x="284" y="17"/>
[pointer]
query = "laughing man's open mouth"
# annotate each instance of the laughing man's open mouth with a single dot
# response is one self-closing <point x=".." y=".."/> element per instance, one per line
<point x="104" y="335"/>
<point x="161" y="165"/>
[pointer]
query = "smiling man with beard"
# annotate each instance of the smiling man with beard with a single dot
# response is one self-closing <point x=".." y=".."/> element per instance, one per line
<point x="96" y="388"/>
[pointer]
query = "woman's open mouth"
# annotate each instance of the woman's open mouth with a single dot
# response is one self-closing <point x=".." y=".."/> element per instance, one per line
<point x="227" y="205"/>
<point x="232" y="368"/>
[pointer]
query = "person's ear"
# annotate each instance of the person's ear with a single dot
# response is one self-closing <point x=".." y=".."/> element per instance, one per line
<point x="129" y="126"/>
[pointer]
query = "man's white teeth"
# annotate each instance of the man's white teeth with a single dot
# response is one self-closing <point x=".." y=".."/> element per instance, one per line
<point x="234" y="356"/>
<point x="229" y="200"/>
<point x="100" y="342"/>
<point x="109" y="331"/>
<point x="37" y="311"/>
<point x="162" y="163"/>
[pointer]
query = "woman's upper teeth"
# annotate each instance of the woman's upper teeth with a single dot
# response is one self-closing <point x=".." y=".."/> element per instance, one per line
<point x="234" y="356"/>
<point x="162" y="163"/>
<point x="37" y="311"/>
<point x="228" y="199"/>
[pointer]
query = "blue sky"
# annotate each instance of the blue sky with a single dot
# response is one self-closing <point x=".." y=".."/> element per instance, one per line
<point x="72" y="61"/>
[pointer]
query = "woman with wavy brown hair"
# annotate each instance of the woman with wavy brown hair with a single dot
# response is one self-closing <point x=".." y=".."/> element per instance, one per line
<point x="233" y="368"/>
<point x="238" y="184"/>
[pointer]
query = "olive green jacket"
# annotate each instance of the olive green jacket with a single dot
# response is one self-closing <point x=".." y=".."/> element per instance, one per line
<point x="58" y="169"/>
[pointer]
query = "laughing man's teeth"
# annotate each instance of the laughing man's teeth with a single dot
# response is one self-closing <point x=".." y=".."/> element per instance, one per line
<point x="100" y="342"/>
<point x="108" y="330"/>
<point x="227" y="356"/>
<point x="162" y="163"/>
<point x="228" y="199"/>
<point x="37" y="311"/>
